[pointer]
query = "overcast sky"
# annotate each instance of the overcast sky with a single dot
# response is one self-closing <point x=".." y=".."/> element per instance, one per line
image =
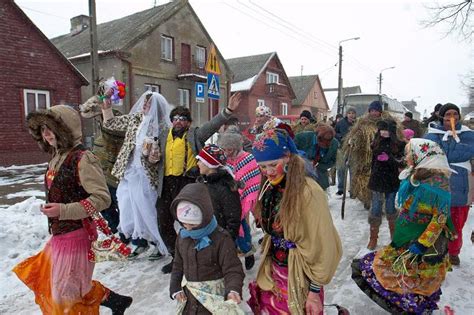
<point x="429" y="67"/>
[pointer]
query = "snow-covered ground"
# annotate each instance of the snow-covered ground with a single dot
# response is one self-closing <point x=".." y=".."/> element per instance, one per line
<point x="23" y="232"/>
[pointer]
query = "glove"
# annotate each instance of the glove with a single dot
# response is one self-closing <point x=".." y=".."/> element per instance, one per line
<point x="382" y="157"/>
<point x="417" y="249"/>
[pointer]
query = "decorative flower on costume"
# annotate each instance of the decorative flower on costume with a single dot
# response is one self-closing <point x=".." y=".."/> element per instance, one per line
<point x="113" y="89"/>
<point x="272" y="144"/>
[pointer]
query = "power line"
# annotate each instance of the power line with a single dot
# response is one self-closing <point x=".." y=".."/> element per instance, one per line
<point x="45" y="13"/>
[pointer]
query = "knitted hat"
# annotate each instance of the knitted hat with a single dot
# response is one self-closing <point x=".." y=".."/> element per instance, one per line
<point x="212" y="156"/>
<point x="263" y="111"/>
<point x="273" y="144"/>
<point x="409" y="115"/>
<point x="437" y="107"/>
<point x="350" y="109"/>
<point x="375" y="105"/>
<point x="447" y="107"/>
<point x="307" y="114"/>
<point x="189" y="213"/>
<point x="408" y="133"/>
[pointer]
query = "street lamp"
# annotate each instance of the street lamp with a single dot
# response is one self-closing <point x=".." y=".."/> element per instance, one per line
<point x="340" y="96"/>
<point x="380" y="78"/>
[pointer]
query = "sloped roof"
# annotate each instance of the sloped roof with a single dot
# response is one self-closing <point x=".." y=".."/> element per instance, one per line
<point x="247" y="67"/>
<point x="302" y="85"/>
<point x="118" y="34"/>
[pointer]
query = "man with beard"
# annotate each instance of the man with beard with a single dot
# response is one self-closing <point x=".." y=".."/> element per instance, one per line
<point x="177" y="164"/>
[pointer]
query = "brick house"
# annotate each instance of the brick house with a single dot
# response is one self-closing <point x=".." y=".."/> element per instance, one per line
<point x="261" y="79"/>
<point x="161" y="49"/>
<point x="309" y="96"/>
<point x="34" y="75"/>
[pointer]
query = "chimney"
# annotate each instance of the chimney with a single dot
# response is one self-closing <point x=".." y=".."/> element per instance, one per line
<point x="79" y="23"/>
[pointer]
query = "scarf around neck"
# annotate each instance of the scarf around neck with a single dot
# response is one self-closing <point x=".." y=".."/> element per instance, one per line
<point x="200" y="235"/>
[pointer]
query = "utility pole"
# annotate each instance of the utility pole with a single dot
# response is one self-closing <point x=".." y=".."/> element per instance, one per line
<point x="94" y="54"/>
<point x="339" y="83"/>
<point x="381" y="78"/>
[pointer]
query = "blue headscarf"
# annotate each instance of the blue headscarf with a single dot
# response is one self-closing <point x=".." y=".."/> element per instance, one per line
<point x="273" y="144"/>
<point x="201" y="235"/>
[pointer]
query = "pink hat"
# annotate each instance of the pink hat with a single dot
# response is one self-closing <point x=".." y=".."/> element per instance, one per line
<point x="408" y="133"/>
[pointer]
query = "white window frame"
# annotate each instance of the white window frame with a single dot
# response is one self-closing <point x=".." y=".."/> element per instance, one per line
<point x="152" y="87"/>
<point x="184" y="97"/>
<point x="200" y="57"/>
<point x="36" y="92"/>
<point x="166" y="47"/>
<point x="260" y="102"/>
<point x="272" y="77"/>
<point x="284" y="108"/>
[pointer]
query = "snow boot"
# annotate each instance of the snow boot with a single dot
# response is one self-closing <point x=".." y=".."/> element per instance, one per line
<point x="454" y="260"/>
<point x="391" y="224"/>
<point x="117" y="303"/>
<point x="374" y="232"/>
<point x="167" y="268"/>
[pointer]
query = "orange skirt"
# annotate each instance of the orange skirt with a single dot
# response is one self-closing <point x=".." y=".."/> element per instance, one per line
<point x="61" y="276"/>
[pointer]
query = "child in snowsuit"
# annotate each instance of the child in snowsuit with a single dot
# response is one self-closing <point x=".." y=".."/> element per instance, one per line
<point x="206" y="269"/>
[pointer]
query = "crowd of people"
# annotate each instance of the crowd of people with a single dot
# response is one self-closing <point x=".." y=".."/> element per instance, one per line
<point x="158" y="181"/>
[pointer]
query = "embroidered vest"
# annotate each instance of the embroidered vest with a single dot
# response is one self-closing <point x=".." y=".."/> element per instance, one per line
<point x="66" y="188"/>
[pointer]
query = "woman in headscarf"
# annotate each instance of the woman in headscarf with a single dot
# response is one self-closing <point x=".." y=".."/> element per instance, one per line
<point x="136" y="169"/>
<point x="61" y="274"/>
<point x="301" y="247"/>
<point x="406" y="276"/>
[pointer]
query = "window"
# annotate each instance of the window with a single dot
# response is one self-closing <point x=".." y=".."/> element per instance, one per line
<point x="35" y="99"/>
<point x="260" y="102"/>
<point x="315" y="94"/>
<point x="183" y="96"/>
<point x="166" y="48"/>
<point x="284" y="109"/>
<point x="152" y="87"/>
<point x="272" y="77"/>
<point x="200" y="57"/>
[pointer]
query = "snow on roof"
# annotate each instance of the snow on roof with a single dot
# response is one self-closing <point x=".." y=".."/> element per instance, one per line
<point x="469" y="116"/>
<point x="244" y="85"/>
<point x="88" y="54"/>
<point x="186" y="75"/>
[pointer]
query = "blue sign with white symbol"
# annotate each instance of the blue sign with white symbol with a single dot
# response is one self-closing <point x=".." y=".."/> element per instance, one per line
<point x="200" y="89"/>
<point x="213" y="86"/>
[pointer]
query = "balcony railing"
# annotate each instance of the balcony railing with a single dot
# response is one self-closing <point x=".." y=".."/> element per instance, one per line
<point x="192" y="71"/>
<point x="275" y="89"/>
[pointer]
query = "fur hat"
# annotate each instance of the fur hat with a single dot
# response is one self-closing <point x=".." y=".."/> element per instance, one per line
<point x="307" y="114"/>
<point x="188" y="212"/>
<point x="350" y="109"/>
<point x="64" y="121"/>
<point x="230" y="140"/>
<point x="212" y="156"/>
<point x="447" y="107"/>
<point x="375" y="105"/>
<point x="263" y="111"/>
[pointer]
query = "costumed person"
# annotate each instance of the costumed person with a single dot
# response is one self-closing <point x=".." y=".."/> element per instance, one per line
<point x="61" y="274"/>
<point x="301" y="248"/>
<point x="245" y="169"/>
<point x="405" y="277"/>
<point x="306" y="119"/>
<point x="457" y="141"/>
<point x="408" y="134"/>
<point x="178" y="165"/>
<point x="264" y="120"/>
<point x="223" y="188"/>
<point x="387" y="159"/>
<point x="136" y="168"/>
<point x="207" y="276"/>
<point x="434" y="117"/>
<point x="357" y="148"/>
<point x="342" y="128"/>
<point x="413" y="124"/>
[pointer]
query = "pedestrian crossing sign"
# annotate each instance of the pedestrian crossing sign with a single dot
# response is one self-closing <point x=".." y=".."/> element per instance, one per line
<point x="213" y="86"/>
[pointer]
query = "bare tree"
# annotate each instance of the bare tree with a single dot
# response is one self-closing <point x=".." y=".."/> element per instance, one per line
<point x="457" y="16"/>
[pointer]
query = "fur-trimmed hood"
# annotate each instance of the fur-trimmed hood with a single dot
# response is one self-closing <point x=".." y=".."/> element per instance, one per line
<point x="63" y="120"/>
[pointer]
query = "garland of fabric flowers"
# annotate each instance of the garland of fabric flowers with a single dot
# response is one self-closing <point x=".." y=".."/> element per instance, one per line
<point x="113" y="89"/>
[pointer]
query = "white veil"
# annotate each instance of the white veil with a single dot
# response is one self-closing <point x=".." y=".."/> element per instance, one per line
<point x="157" y="118"/>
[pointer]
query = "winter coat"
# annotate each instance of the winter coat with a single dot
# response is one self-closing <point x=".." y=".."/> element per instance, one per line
<point x="218" y="260"/>
<point x="225" y="200"/>
<point x="384" y="174"/>
<point x="415" y="126"/>
<point x="459" y="155"/>
<point x="129" y="124"/>
<point x="196" y="136"/>
<point x="342" y="128"/>
<point x="325" y="162"/>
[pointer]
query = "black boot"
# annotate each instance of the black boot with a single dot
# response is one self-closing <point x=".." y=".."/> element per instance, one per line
<point x="249" y="262"/>
<point x="167" y="268"/>
<point x="117" y="303"/>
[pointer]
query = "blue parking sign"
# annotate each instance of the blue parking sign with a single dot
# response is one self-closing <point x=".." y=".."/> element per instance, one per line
<point x="213" y="86"/>
<point x="200" y="89"/>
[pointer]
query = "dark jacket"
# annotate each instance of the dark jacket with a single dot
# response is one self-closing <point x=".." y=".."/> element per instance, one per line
<point x="342" y="128"/>
<point x="218" y="260"/>
<point x="384" y="174"/>
<point x="415" y="126"/>
<point x="325" y="162"/>
<point x="225" y="200"/>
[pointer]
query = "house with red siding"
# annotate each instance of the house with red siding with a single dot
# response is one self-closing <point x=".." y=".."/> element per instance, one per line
<point x="309" y="96"/>
<point x="262" y="80"/>
<point x="34" y="75"/>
